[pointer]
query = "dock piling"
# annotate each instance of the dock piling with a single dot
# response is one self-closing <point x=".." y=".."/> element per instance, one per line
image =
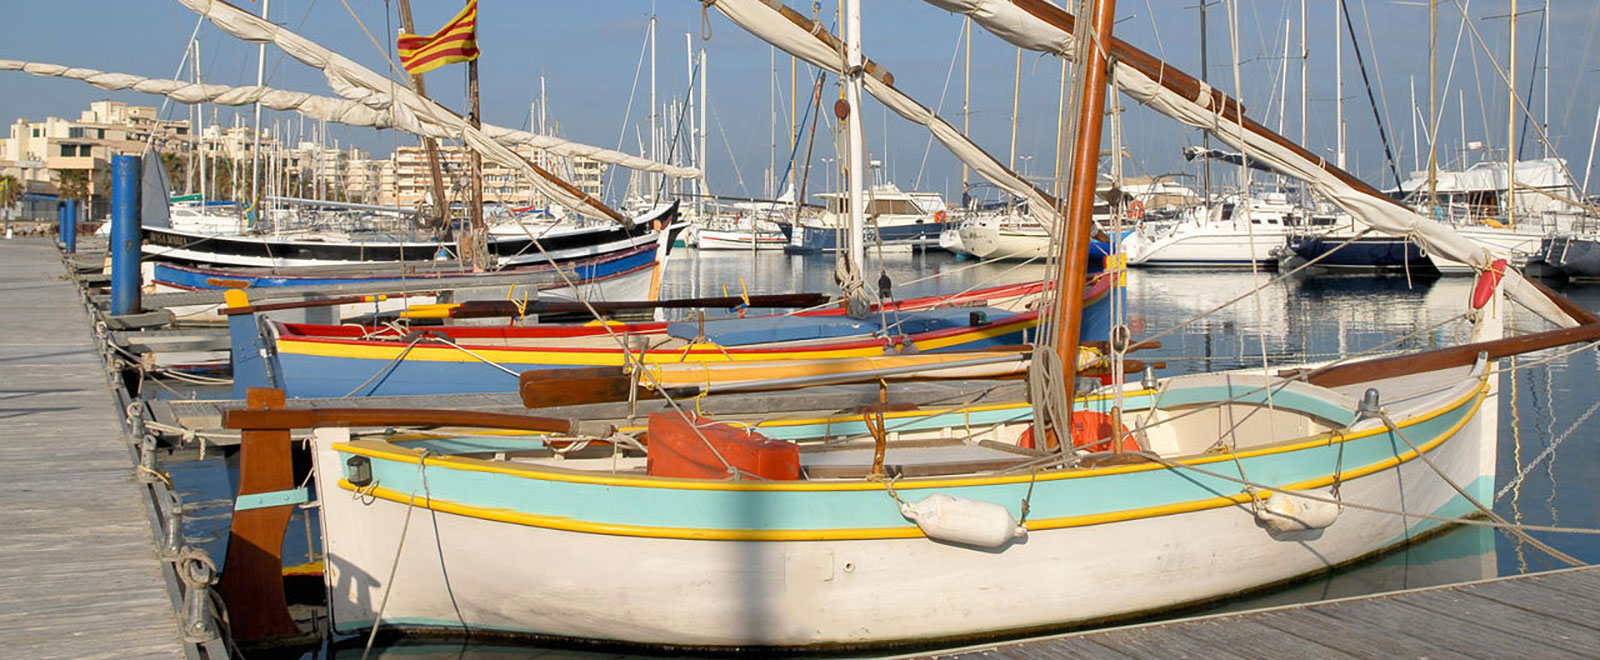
<point x="125" y="235"/>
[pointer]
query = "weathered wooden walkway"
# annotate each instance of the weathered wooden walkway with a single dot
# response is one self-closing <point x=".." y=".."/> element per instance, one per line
<point x="1544" y="615"/>
<point x="79" y="577"/>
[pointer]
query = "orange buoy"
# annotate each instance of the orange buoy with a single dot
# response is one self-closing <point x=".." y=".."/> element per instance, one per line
<point x="1136" y="210"/>
<point x="939" y="217"/>
<point x="1487" y="281"/>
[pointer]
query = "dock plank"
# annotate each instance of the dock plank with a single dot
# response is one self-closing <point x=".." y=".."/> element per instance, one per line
<point x="1551" y="614"/>
<point x="1509" y="620"/>
<point x="79" y="577"/>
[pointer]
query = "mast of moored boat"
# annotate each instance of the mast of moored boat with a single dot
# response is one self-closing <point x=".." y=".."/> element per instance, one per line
<point x="855" y="143"/>
<point x="440" y="215"/>
<point x="255" y="131"/>
<point x="1080" y="191"/>
<point x="476" y="232"/>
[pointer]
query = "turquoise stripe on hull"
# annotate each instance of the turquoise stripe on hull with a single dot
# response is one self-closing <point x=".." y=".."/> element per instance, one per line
<point x="1054" y="497"/>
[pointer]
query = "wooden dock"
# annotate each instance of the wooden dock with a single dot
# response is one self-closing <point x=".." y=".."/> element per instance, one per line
<point x="1543" y="615"/>
<point x="79" y="576"/>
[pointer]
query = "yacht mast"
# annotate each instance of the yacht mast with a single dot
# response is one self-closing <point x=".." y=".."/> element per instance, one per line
<point x="966" y="96"/>
<point x="1511" y="124"/>
<point x="1016" y="96"/>
<point x="255" y="150"/>
<point x="1338" y="79"/>
<point x="1433" y="103"/>
<point x="1205" y="135"/>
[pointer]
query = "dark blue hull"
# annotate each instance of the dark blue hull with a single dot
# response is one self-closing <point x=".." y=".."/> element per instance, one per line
<point x="1381" y="254"/>
<point x="821" y="239"/>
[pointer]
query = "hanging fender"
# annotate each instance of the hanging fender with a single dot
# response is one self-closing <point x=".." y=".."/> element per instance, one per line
<point x="1285" y="512"/>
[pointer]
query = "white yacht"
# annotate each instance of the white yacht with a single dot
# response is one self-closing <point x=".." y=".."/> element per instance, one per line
<point x="1237" y="231"/>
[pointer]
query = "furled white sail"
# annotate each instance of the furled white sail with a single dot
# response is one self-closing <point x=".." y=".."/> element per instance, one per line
<point x="1036" y="26"/>
<point x="373" y="112"/>
<point x="800" y="36"/>
<point x="358" y="83"/>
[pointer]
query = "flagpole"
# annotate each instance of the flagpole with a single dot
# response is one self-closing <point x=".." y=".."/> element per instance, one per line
<point x="440" y="217"/>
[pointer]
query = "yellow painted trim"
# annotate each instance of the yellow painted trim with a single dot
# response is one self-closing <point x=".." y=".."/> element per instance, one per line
<point x="875" y="533"/>
<point x="428" y="352"/>
<point x="386" y="451"/>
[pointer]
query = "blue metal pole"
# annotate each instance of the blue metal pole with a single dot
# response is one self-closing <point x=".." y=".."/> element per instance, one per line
<point x="125" y="226"/>
<point x="69" y="227"/>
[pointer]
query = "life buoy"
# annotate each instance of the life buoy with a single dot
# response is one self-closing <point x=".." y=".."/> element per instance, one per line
<point x="1136" y="210"/>
<point x="939" y="217"/>
<point x="1488" y="280"/>
<point x="1091" y="431"/>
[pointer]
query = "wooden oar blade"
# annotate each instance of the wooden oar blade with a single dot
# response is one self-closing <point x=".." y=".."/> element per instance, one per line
<point x="566" y="386"/>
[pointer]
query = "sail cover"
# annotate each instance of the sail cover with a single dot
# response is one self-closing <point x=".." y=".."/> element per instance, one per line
<point x="374" y="112"/>
<point x="1039" y="26"/>
<point x="797" y="35"/>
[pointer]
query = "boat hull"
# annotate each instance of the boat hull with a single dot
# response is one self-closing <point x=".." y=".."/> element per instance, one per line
<point x="824" y="565"/>
<point x="1577" y="257"/>
<point x="1210" y="247"/>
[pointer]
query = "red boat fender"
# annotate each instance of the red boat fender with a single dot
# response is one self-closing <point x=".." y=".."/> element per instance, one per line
<point x="1091" y="431"/>
<point x="1488" y="280"/>
<point x="677" y="450"/>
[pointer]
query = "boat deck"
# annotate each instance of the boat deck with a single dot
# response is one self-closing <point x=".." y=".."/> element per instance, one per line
<point x="79" y="576"/>
<point x="1542" y="615"/>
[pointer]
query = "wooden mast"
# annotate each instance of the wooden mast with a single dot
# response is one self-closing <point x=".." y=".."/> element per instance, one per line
<point x="1080" y="194"/>
<point x="475" y="233"/>
<point x="440" y="218"/>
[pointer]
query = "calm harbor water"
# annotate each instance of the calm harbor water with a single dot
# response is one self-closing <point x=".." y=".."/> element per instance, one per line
<point x="1548" y="450"/>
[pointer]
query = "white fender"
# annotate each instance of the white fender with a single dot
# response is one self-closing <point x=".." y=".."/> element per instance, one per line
<point x="968" y="522"/>
<point x="1284" y="512"/>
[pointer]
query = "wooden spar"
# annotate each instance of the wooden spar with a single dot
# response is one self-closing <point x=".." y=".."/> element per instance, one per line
<point x="302" y="304"/>
<point x="279" y="419"/>
<point x="1445" y="358"/>
<point x="586" y="197"/>
<point x="502" y="308"/>
<point x="440" y="218"/>
<point x="1187" y="86"/>
<point x="477" y="232"/>
<point x="1070" y="282"/>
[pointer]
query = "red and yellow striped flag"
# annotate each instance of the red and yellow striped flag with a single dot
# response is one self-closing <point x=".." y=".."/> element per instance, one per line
<point x="457" y="41"/>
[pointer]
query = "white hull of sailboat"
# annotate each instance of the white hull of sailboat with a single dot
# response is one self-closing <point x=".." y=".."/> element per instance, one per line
<point x="713" y="239"/>
<point x="1206" y="246"/>
<point x="520" y="561"/>
<point x="988" y="241"/>
<point x="1515" y="245"/>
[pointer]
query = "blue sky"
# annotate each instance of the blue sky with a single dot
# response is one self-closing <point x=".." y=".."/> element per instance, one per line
<point x="589" y="54"/>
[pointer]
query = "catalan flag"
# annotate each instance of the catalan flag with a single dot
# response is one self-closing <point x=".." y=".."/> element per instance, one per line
<point x="457" y="41"/>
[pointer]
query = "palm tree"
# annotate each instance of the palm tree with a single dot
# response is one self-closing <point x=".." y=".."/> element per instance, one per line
<point x="10" y="193"/>
<point x="73" y="184"/>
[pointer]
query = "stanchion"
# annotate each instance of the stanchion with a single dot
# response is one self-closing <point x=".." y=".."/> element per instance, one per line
<point x="125" y="235"/>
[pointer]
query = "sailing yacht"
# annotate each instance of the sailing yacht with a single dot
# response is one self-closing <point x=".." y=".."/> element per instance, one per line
<point x="1238" y="231"/>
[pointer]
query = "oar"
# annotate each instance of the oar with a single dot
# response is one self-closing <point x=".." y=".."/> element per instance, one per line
<point x="299" y="304"/>
<point x="475" y="309"/>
